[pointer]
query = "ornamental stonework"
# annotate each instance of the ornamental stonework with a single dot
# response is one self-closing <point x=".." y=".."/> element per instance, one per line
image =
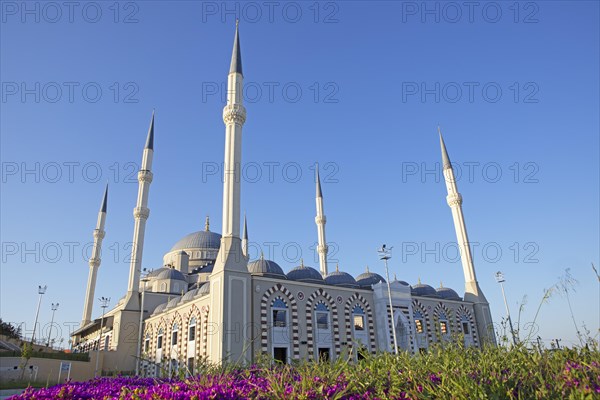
<point x="234" y="113"/>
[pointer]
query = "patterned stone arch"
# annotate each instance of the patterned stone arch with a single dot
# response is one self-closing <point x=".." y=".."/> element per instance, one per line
<point x="417" y="306"/>
<point x="204" y="315"/>
<point x="264" y="322"/>
<point x="310" y="303"/>
<point x="176" y="319"/>
<point x="193" y="312"/>
<point x="148" y="330"/>
<point x="465" y="312"/>
<point x="354" y="300"/>
<point x="442" y="308"/>
<point x="406" y="313"/>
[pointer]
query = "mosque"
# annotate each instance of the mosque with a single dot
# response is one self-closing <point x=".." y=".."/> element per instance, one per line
<point x="211" y="303"/>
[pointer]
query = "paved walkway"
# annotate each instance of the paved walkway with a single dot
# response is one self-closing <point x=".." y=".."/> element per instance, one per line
<point x="6" y="393"/>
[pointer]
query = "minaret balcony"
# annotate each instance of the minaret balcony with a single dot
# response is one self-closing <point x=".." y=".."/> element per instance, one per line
<point x="234" y="113"/>
<point x="145" y="176"/>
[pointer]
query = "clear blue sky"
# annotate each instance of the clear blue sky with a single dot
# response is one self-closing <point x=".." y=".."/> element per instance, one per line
<point x="514" y="88"/>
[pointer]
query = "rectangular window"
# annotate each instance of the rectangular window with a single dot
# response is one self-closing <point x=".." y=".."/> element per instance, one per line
<point x="147" y="345"/>
<point x="192" y="334"/>
<point x="279" y="318"/>
<point x="322" y="320"/>
<point x="323" y="354"/>
<point x="280" y="354"/>
<point x="174" y="339"/>
<point x="190" y="365"/>
<point x="465" y="326"/>
<point x="419" y="325"/>
<point x="159" y="342"/>
<point x="359" y="323"/>
<point x="444" y="327"/>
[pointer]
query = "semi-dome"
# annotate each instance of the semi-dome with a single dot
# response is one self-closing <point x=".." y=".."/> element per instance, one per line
<point x="340" y="278"/>
<point x="199" y="240"/>
<point x="447" y="293"/>
<point x="368" y="278"/>
<point x="173" y="302"/>
<point x="160" y="308"/>
<point x="421" y="289"/>
<point x="189" y="295"/>
<point x="302" y="273"/>
<point x="266" y="268"/>
<point x="170" y="273"/>
<point x="203" y="290"/>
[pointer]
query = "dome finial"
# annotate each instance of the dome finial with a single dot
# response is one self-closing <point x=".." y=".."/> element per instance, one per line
<point x="419" y="280"/>
<point x="368" y="269"/>
<point x="302" y="263"/>
<point x="395" y="277"/>
<point x="262" y="255"/>
<point x="207" y="224"/>
<point x="441" y="284"/>
<point x="337" y="267"/>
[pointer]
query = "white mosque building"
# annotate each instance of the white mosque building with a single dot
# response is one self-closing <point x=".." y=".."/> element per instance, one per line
<point x="211" y="303"/>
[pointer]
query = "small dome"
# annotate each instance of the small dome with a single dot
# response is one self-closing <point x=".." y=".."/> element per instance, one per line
<point x="199" y="240"/>
<point x="170" y="273"/>
<point x="266" y="268"/>
<point x="203" y="290"/>
<point x="160" y="308"/>
<point x="423" y="290"/>
<point x="154" y="273"/>
<point x="302" y="273"/>
<point x="368" y="278"/>
<point x="447" y="293"/>
<point x="189" y="295"/>
<point x="173" y="302"/>
<point x="339" y="278"/>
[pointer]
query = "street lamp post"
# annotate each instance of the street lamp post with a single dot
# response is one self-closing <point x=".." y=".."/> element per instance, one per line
<point x="103" y="303"/>
<point x="385" y="253"/>
<point x="41" y="291"/>
<point x="500" y="279"/>
<point x="53" y="307"/>
<point x="140" y="330"/>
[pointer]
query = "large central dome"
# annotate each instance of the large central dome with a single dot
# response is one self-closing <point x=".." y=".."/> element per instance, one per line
<point x="198" y="240"/>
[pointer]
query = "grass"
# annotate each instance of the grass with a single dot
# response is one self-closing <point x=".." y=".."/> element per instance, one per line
<point x="448" y="372"/>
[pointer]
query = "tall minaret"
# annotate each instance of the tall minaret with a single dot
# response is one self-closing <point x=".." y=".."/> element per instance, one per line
<point x="473" y="292"/>
<point x="245" y="238"/>
<point x="95" y="261"/>
<point x="140" y="215"/>
<point x="321" y="220"/>
<point x="230" y="280"/>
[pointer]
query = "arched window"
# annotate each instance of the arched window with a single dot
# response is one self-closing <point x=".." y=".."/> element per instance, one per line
<point x="163" y="287"/>
<point x="174" y="334"/>
<point x="444" y="326"/>
<point x="358" y="318"/>
<point x="192" y="330"/>
<point x="147" y="342"/>
<point x="419" y="322"/>
<point x="279" y="309"/>
<point x="159" y="339"/>
<point x="322" y="315"/>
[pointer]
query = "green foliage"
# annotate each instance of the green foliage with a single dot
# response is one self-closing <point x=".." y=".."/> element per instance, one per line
<point x="10" y="330"/>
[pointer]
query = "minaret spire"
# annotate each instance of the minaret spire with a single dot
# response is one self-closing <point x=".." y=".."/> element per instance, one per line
<point x="236" y="55"/>
<point x="473" y="292"/>
<point x="141" y="212"/>
<point x="94" y="261"/>
<point x="321" y="220"/>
